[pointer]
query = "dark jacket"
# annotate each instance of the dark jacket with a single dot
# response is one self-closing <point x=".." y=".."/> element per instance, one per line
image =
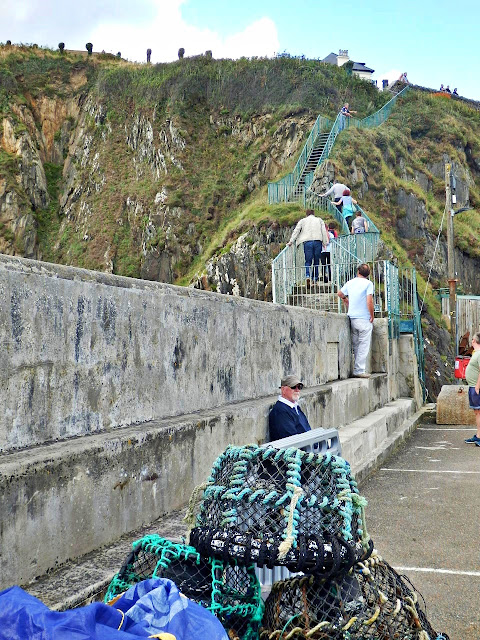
<point x="284" y="421"/>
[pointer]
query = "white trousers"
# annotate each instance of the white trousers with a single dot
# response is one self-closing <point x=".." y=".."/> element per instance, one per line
<point x="361" y="338"/>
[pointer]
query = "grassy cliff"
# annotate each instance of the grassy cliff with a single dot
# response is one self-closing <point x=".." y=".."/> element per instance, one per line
<point x="145" y="164"/>
<point x="150" y="170"/>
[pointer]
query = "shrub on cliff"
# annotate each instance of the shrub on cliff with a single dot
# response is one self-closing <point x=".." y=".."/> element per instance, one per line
<point x="243" y="86"/>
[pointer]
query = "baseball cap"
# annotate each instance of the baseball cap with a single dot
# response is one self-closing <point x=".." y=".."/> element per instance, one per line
<point x="291" y="381"/>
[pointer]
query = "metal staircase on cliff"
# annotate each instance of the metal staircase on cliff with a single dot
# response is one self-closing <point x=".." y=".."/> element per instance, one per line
<point x="296" y="186"/>
<point x="313" y="159"/>
<point x="396" y="292"/>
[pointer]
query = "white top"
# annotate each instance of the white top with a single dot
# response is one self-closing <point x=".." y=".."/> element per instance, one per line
<point x="337" y="189"/>
<point x="310" y="228"/>
<point x="292" y="405"/>
<point x="357" y="291"/>
<point x="328" y="248"/>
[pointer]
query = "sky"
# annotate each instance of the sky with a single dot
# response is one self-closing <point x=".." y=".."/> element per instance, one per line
<point x="433" y="41"/>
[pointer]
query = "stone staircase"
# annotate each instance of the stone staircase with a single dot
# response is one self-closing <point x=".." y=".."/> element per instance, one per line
<point x="370" y="424"/>
<point x="319" y="295"/>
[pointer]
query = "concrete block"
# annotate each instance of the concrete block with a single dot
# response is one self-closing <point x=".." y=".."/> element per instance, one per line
<point x="453" y="406"/>
<point x="407" y="372"/>
<point x="85" y="352"/>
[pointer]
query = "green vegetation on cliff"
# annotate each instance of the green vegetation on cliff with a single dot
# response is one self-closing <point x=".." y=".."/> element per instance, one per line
<point x="244" y="86"/>
<point x="152" y="170"/>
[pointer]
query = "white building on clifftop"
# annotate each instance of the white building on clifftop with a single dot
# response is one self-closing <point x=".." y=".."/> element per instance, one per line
<point x="358" y="68"/>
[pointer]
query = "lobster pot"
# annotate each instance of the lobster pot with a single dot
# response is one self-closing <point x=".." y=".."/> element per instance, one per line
<point x="371" y="601"/>
<point x="282" y="507"/>
<point x="230" y="592"/>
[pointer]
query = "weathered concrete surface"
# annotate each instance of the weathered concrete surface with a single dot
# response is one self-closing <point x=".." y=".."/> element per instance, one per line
<point x="86" y="580"/>
<point x="407" y="371"/>
<point x="65" y="499"/>
<point x="422" y="515"/>
<point x="84" y="352"/>
<point x="453" y="406"/>
<point x="366" y="441"/>
<point x="125" y="364"/>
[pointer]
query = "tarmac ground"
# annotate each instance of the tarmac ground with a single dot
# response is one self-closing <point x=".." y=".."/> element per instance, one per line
<point x="423" y="516"/>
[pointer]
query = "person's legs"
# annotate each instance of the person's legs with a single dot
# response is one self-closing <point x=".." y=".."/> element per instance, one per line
<point x="474" y="403"/>
<point x="361" y="330"/>
<point x="317" y="253"/>
<point x="326" y="271"/>
<point x="308" y="251"/>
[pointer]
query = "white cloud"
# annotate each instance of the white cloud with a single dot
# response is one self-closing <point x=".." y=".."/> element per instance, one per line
<point x="259" y="39"/>
<point x="167" y="32"/>
<point x="391" y="76"/>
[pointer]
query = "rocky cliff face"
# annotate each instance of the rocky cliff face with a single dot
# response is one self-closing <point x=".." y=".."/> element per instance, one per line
<point x="136" y="192"/>
<point x="163" y="184"/>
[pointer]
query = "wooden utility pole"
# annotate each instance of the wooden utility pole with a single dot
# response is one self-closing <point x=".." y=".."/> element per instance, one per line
<point x="452" y="282"/>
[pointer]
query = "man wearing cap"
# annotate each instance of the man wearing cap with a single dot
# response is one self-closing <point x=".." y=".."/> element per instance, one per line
<point x="286" y="418"/>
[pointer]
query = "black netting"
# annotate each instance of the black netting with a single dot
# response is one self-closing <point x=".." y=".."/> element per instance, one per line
<point x="229" y="591"/>
<point x="371" y="602"/>
<point x="325" y="556"/>
<point x="284" y="507"/>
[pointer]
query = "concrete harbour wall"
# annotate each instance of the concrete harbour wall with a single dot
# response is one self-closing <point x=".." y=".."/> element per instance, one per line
<point x="85" y="352"/>
<point x="120" y="393"/>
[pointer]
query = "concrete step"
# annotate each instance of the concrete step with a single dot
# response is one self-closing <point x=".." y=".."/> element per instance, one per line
<point x="367" y="441"/>
<point x="86" y="579"/>
<point x="373" y="438"/>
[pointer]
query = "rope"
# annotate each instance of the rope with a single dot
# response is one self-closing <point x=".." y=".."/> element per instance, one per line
<point x="121" y="621"/>
<point x="286" y="545"/>
<point x="287" y="623"/>
<point x="433" y="258"/>
<point x="189" y="518"/>
<point x="361" y="502"/>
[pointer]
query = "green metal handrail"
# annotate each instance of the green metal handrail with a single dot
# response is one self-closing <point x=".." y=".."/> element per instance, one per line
<point x="281" y="190"/>
<point x="395" y="290"/>
<point x="286" y="184"/>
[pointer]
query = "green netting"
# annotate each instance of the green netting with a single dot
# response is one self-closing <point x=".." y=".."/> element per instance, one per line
<point x="229" y="591"/>
<point x="282" y="507"/>
<point x="370" y="602"/>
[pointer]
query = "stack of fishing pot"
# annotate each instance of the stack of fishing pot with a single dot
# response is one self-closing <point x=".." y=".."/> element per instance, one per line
<point x="302" y="511"/>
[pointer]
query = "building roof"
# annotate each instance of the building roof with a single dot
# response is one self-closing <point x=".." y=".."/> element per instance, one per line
<point x="331" y="58"/>
<point x="361" y="66"/>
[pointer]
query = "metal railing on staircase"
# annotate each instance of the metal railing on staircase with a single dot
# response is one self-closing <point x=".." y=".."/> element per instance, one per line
<point x="394" y="297"/>
<point x="395" y="290"/>
<point x="286" y="189"/>
<point x="282" y="190"/>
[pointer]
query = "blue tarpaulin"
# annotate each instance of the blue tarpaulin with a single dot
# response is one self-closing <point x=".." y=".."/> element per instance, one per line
<point x="146" y="609"/>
